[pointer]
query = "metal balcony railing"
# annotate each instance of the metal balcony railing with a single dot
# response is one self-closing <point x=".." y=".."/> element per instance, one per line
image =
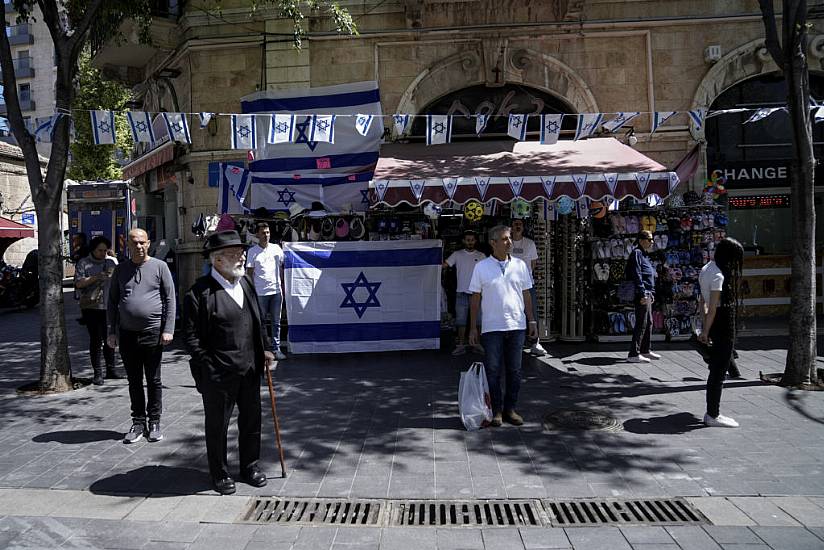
<point x="20" y="34"/>
<point x="23" y="67"/>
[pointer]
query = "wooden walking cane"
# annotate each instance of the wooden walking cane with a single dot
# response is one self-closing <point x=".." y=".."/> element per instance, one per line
<point x="275" y="418"/>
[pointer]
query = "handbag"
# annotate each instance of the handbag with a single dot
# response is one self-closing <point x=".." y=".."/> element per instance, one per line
<point x="474" y="401"/>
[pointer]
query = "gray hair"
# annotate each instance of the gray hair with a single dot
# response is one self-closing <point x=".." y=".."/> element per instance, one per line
<point x="496" y="232"/>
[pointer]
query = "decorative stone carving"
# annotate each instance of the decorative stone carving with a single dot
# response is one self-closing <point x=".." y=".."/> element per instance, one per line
<point x="815" y="47"/>
<point x="763" y="54"/>
<point x="414" y="13"/>
<point x="521" y="59"/>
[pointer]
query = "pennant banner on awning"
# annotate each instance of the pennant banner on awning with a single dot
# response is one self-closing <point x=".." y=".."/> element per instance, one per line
<point x="643" y="181"/>
<point x="612" y="182"/>
<point x="516" y="184"/>
<point x="450" y="185"/>
<point x="482" y="184"/>
<point x="549" y="185"/>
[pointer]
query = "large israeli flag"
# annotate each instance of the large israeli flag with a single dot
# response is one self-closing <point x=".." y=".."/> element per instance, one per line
<point x="344" y="297"/>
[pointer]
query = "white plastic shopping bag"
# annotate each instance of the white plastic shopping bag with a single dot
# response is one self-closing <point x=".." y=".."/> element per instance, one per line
<point x="474" y="402"/>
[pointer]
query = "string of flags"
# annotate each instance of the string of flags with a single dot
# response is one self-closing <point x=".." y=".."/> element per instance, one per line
<point x="280" y="127"/>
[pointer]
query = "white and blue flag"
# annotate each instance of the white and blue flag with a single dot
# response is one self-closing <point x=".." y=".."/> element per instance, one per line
<point x="205" y="118"/>
<point x="178" y="127"/>
<point x="620" y="120"/>
<point x="587" y="125"/>
<point x="244" y="132"/>
<point x="103" y="132"/>
<point x="697" y="116"/>
<point x="281" y="129"/>
<point x="761" y="114"/>
<point x="44" y="128"/>
<point x="550" y="128"/>
<point x="362" y="123"/>
<point x="141" y="124"/>
<point x="322" y="128"/>
<point x="438" y="129"/>
<point x="339" y="193"/>
<point x="401" y="123"/>
<point x="480" y="123"/>
<point x="660" y="117"/>
<point x="517" y="127"/>
<point x="364" y="296"/>
<point x="232" y="188"/>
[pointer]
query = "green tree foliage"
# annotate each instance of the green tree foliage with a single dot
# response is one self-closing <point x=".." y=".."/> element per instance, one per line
<point x="89" y="161"/>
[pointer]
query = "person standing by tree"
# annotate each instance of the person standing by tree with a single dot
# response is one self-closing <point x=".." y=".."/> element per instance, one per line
<point x="641" y="273"/>
<point x="91" y="279"/>
<point x="141" y="318"/>
<point x="524" y="249"/>
<point x="719" y="282"/>
<point x="464" y="262"/>
<point x="500" y="285"/>
<point x="264" y="265"/>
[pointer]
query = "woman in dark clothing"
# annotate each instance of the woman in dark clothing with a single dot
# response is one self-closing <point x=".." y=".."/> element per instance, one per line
<point x="719" y="282"/>
<point x="640" y="271"/>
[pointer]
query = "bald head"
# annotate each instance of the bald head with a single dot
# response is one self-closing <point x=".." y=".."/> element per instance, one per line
<point x="139" y="245"/>
<point x="137" y="232"/>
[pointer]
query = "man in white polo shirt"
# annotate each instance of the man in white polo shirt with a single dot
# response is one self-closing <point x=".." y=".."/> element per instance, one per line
<point x="524" y="249"/>
<point x="500" y="285"/>
<point x="464" y="262"/>
<point x="264" y="264"/>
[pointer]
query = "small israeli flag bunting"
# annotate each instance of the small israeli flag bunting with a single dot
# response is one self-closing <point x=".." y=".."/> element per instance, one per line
<point x="643" y="181"/>
<point x="178" y="127"/>
<point x="244" y="132"/>
<point x="612" y="203"/>
<point x="761" y="114"/>
<point x="141" y="125"/>
<point x="281" y="128"/>
<point x="44" y="128"/>
<point x="697" y="117"/>
<point x="550" y="128"/>
<point x="322" y="128"/>
<point x="517" y="127"/>
<point x="103" y="127"/>
<point x="363" y="123"/>
<point x="438" y="129"/>
<point x="587" y="125"/>
<point x="417" y="188"/>
<point x="819" y="115"/>
<point x="516" y="184"/>
<point x="549" y="185"/>
<point x="673" y="181"/>
<point x="450" y="185"/>
<point x="380" y="188"/>
<point x="582" y="208"/>
<point x="619" y="120"/>
<point x="550" y="213"/>
<point x="204" y="119"/>
<point x="480" y="123"/>
<point x="580" y="182"/>
<point x="612" y="182"/>
<point x="401" y="122"/>
<point x="482" y="184"/>
<point x="660" y="117"/>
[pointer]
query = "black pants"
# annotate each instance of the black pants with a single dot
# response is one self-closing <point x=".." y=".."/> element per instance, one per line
<point x="141" y="353"/>
<point x="643" y="329"/>
<point x="219" y="399"/>
<point x="95" y="320"/>
<point x="721" y="359"/>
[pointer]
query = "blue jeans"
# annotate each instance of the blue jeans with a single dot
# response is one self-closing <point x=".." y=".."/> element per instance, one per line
<point x="462" y="301"/>
<point x="270" y="307"/>
<point x="503" y="352"/>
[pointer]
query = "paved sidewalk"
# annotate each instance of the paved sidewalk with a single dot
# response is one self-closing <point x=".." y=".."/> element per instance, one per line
<point x="386" y="426"/>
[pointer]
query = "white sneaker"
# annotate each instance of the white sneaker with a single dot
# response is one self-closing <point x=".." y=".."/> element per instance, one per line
<point x="459" y="350"/>
<point x="537" y="350"/>
<point x="637" y="359"/>
<point x="720" y="422"/>
<point x="652" y="356"/>
<point x="279" y="355"/>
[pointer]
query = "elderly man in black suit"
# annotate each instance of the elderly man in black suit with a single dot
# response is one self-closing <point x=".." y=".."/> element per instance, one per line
<point x="229" y="349"/>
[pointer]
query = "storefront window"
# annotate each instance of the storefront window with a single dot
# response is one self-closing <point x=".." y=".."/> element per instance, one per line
<point x="766" y="229"/>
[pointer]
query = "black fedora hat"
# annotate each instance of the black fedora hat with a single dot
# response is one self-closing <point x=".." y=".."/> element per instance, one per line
<point x="222" y="239"/>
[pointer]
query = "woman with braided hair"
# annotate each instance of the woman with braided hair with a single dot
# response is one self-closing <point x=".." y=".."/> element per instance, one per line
<point x="719" y="282"/>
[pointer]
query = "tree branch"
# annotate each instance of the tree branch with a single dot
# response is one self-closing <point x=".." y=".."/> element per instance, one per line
<point x="771" y="30"/>
<point x="78" y="38"/>
<point x="51" y="17"/>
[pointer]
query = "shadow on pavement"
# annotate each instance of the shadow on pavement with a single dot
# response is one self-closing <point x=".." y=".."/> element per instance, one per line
<point x="672" y="424"/>
<point x="154" y="481"/>
<point x="78" y="436"/>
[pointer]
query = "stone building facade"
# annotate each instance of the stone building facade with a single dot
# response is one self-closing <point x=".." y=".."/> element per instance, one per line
<point x="593" y="55"/>
<point x="16" y="200"/>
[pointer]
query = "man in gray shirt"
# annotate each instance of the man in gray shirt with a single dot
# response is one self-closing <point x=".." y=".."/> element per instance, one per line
<point x="141" y="316"/>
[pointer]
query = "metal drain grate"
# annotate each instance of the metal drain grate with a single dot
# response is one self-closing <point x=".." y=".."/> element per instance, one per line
<point x="669" y="511"/>
<point x="482" y="513"/>
<point x="314" y="511"/>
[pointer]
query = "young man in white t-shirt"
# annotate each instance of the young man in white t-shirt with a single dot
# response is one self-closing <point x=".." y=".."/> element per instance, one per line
<point x="524" y="249"/>
<point x="464" y="262"/>
<point x="264" y="264"/>
<point x="500" y="284"/>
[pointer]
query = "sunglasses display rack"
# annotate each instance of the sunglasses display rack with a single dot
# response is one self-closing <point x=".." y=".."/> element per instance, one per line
<point x="684" y="239"/>
<point x="573" y="269"/>
<point x="542" y="234"/>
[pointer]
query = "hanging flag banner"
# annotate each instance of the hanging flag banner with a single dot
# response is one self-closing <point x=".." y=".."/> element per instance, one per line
<point x="401" y="123"/>
<point x="380" y="188"/>
<point x="450" y="185"/>
<point x="643" y="181"/>
<point x="587" y="125"/>
<point x="612" y="182"/>
<point x="417" y="188"/>
<point x="761" y="114"/>
<point x="480" y="123"/>
<point x="204" y="119"/>
<point x="550" y="212"/>
<point x="438" y="129"/>
<point x="44" y="128"/>
<point x="582" y="208"/>
<point x="580" y="181"/>
<point x="550" y="128"/>
<point x="673" y="181"/>
<point x="660" y="117"/>
<point x="232" y="187"/>
<point x="362" y="123"/>
<point x="482" y="184"/>
<point x="549" y="185"/>
<point x="323" y="128"/>
<point x="517" y="127"/>
<point x="178" y="127"/>
<point x="281" y="129"/>
<point x="103" y="127"/>
<point x="244" y="132"/>
<point x="516" y="184"/>
<point x="697" y="116"/>
<point x="819" y="115"/>
<point x="141" y="125"/>
<point x="612" y="203"/>
<point x="620" y="120"/>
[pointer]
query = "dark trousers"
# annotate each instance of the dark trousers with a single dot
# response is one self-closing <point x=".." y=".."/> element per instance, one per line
<point x="643" y="329"/>
<point x="504" y="350"/>
<point x="95" y="320"/>
<point x="219" y="399"/>
<point x="141" y="353"/>
<point x="721" y="359"/>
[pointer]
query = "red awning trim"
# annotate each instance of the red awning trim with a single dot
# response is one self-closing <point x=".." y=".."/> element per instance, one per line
<point x="12" y="230"/>
<point x="151" y="160"/>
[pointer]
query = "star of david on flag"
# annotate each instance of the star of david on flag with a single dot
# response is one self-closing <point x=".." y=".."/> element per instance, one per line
<point x="612" y="182"/>
<point x="371" y="300"/>
<point x="380" y="188"/>
<point x="286" y="197"/>
<point x="516" y="184"/>
<point x="141" y="125"/>
<point x="550" y="128"/>
<point x="587" y="125"/>
<point x="450" y="185"/>
<point x="322" y="128"/>
<point x="363" y="123"/>
<point x="244" y="132"/>
<point x="660" y="117"/>
<point x="697" y="116"/>
<point x="516" y="127"/>
<point x="482" y="184"/>
<point x="281" y="128"/>
<point x="580" y="181"/>
<point x="438" y="129"/>
<point x="204" y="119"/>
<point x="103" y="127"/>
<point x="417" y="187"/>
<point x="480" y="123"/>
<point x="619" y="120"/>
<point x="549" y="185"/>
<point x="401" y="123"/>
<point x="178" y="127"/>
<point x="643" y="181"/>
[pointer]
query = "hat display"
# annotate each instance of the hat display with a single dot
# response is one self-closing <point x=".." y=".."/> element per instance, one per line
<point x="222" y="239"/>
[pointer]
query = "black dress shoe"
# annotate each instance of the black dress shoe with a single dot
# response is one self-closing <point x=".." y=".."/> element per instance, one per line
<point x="225" y="486"/>
<point x="254" y="477"/>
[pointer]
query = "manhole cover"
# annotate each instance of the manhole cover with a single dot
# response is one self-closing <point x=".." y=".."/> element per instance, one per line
<point x="580" y="419"/>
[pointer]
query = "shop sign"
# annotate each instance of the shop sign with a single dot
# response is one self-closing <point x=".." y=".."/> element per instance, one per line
<point x="27" y="219"/>
<point x="743" y="175"/>
<point x="752" y="202"/>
